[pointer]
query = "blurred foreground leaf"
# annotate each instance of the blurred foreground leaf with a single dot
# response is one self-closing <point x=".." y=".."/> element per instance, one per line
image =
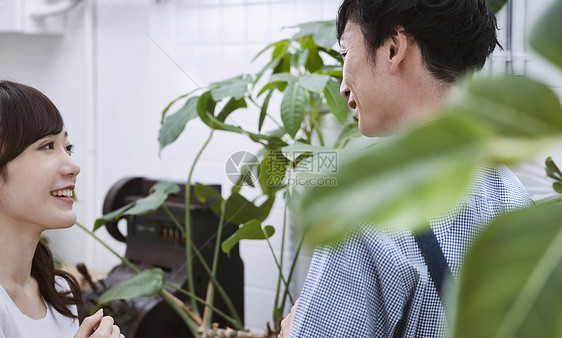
<point x="424" y="171"/>
<point x="511" y="280"/>
<point x="546" y="36"/>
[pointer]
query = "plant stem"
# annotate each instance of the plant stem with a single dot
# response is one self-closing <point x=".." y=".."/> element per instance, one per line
<point x="220" y="289"/>
<point x="188" y="321"/>
<point x="187" y="223"/>
<point x="293" y="265"/>
<point x="278" y="289"/>
<point x="229" y="319"/>
<point x="215" y="263"/>
<point x="278" y="266"/>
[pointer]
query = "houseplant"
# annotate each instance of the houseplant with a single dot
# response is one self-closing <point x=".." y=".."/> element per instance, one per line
<point x="306" y="72"/>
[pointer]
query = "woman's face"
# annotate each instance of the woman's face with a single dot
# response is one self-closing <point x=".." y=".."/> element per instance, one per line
<point x="38" y="185"/>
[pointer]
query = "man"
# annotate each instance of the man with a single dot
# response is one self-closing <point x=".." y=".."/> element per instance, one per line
<point x="401" y="61"/>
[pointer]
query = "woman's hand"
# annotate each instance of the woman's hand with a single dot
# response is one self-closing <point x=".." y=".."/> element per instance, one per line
<point x="103" y="327"/>
<point x="287" y="322"/>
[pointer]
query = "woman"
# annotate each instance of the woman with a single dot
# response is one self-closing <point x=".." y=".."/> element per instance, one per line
<point x="37" y="178"/>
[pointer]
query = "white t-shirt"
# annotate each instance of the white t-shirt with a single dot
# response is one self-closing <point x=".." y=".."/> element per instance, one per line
<point x="14" y="324"/>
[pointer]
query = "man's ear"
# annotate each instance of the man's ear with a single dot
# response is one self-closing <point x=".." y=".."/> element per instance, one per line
<point x="397" y="47"/>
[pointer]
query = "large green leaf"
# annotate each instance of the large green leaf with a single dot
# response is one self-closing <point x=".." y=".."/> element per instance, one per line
<point x="250" y="230"/>
<point x="546" y="36"/>
<point x="512" y="278"/>
<point x="495" y="5"/>
<point x="239" y="210"/>
<point x="401" y="181"/>
<point x="514" y="106"/>
<point x="337" y="103"/>
<point x="174" y="124"/>
<point x="292" y="108"/>
<point x="146" y="283"/>
<point x="158" y="195"/>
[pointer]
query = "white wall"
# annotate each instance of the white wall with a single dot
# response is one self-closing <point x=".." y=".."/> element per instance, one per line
<point x="121" y="61"/>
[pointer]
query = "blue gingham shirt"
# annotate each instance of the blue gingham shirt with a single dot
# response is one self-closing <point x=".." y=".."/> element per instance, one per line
<point x="376" y="283"/>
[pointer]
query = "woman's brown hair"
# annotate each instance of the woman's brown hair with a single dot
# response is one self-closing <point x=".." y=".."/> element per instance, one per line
<point x="26" y="115"/>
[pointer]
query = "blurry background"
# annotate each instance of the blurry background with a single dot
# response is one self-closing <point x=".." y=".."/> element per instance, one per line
<point x="111" y="66"/>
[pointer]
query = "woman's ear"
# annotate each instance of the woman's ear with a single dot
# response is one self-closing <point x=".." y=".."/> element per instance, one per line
<point x="398" y="45"/>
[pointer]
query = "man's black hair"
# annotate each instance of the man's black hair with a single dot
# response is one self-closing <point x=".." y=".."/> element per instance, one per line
<point x="454" y="36"/>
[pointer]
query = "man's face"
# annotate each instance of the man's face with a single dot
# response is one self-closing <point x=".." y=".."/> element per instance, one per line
<point x="369" y="88"/>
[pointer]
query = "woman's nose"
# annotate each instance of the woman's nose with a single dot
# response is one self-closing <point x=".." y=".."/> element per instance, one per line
<point x="70" y="167"/>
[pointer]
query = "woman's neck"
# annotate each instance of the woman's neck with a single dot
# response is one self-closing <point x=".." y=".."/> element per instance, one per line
<point x="17" y="248"/>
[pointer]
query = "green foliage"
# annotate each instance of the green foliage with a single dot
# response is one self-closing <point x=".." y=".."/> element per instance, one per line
<point x="149" y="204"/>
<point x="553" y="172"/>
<point x="546" y="37"/>
<point x="512" y="277"/>
<point x="424" y="171"/>
<point x="249" y="230"/>
<point x="146" y="283"/>
<point x="495" y="5"/>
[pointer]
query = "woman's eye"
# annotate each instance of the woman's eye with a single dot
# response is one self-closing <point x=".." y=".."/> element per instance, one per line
<point x="50" y="146"/>
<point x="69" y="149"/>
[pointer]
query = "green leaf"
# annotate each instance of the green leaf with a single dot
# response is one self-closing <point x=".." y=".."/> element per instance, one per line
<point x="323" y="32"/>
<point x="552" y="170"/>
<point x="400" y="181"/>
<point x="284" y="65"/>
<point x="146" y="283"/>
<point x="239" y="210"/>
<point x="214" y="123"/>
<point x="279" y="48"/>
<point x="276" y="79"/>
<point x="206" y="105"/>
<point x="292" y="108"/>
<point x="495" y="5"/>
<point x="337" y="104"/>
<point x="231" y="106"/>
<point x="250" y="230"/>
<point x="272" y="171"/>
<point x="235" y="87"/>
<point x="146" y="205"/>
<point x="207" y="194"/>
<point x="313" y="61"/>
<point x="314" y="82"/>
<point x="511" y="281"/>
<point x="546" y="36"/>
<point x="557" y="186"/>
<point x="514" y="106"/>
<point x="264" y="107"/>
<point x="174" y="124"/>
